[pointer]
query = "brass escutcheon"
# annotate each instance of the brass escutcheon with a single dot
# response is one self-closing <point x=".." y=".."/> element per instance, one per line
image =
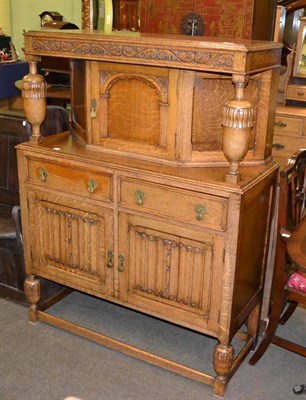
<point x="110" y="259"/>
<point x="139" y="197"/>
<point x="121" y="266"/>
<point x="93" y="111"/>
<point x="43" y="173"/>
<point x="92" y="185"/>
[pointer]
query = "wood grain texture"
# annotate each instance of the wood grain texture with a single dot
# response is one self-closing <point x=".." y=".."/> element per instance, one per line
<point x="133" y="206"/>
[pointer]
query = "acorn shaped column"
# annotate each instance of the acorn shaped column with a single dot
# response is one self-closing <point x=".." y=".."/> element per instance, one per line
<point x="237" y="123"/>
<point x="33" y="89"/>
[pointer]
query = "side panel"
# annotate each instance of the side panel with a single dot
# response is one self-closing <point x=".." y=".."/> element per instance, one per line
<point x="253" y="240"/>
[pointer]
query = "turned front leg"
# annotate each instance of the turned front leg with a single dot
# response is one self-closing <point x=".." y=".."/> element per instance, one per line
<point x="33" y="293"/>
<point x="223" y="360"/>
<point x="34" y="99"/>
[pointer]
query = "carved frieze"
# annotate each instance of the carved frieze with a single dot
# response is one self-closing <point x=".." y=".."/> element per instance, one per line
<point x="112" y="50"/>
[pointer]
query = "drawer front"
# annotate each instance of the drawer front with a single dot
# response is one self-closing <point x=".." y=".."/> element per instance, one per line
<point x="284" y="147"/>
<point x="296" y="92"/>
<point x="80" y="182"/>
<point x="289" y="126"/>
<point x="180" y="205"/>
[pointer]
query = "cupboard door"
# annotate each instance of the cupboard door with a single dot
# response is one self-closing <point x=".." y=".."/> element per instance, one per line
<point x="135" y="109"/>
<point x="73" y="241"/>
<point x="170" y="271"/>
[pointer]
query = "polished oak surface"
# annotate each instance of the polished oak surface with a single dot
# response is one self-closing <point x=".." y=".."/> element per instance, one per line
<point x="163" y="186"/>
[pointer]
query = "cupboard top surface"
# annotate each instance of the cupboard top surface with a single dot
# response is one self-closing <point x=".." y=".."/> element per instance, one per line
<point x="176" y="51"/>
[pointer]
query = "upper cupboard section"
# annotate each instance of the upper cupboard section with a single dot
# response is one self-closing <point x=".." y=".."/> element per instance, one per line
<point x="163" y="113"/>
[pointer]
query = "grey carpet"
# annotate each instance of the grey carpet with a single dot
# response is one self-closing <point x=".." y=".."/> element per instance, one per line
<point x="41" y="362"/>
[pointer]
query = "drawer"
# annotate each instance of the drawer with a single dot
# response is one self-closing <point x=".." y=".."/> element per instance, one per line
<point x="73" y="180"/>
<point x="289" y="126"/>
<point x="296" y="92"/>
<point x="181" y="205"/>
<point x="285" y="147"/>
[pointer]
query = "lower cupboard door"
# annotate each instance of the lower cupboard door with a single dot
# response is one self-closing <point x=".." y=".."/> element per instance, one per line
<point x="171" y="271"/>
<point x="70" y="241"/>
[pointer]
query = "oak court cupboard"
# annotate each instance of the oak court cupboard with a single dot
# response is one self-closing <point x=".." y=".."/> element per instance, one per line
<point x="160" y="197"/>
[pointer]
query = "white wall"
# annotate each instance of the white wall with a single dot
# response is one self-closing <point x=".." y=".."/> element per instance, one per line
<point x="25" y="16"/>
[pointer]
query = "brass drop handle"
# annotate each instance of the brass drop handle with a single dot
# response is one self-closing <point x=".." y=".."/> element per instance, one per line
<point x="139" y="197"/>
<point x="200" y="212"/>
<point x="121" y="261"/>
<point x="93" y="111"/>
<point x="280" y="124"/>
<point x="278" y="146"/>
<point x="92" y="185"/>
<point x="110" y="257"/>
<point x="43" y="173"/>
<point x="300" y="93"/>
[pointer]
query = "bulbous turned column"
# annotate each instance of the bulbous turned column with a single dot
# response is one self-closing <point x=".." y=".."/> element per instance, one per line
<point x="33" y="293"/>
<point x="237" y="123"/>
<point x="223" y="360"/>
<point x="33" y="89"/>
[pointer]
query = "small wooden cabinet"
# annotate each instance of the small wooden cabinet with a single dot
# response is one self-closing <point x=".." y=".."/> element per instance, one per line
<point x="136" y="204"/>
<point x="289" y="132"/>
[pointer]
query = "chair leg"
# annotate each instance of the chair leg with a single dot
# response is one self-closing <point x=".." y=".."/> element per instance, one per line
<point x="265" y="342"/>
<point x="276" y="310"/>
<point x="289" y="311"/>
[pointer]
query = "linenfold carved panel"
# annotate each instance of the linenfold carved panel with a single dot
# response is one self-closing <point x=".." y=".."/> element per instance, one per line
<point x="60" y="244"/>
<point x="71" y="240"/>
<point x="171" y="269"/>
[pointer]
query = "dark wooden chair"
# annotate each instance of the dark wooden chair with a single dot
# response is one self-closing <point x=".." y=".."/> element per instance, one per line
<point x="14" y="129"/>
<point x="286" y="293"/>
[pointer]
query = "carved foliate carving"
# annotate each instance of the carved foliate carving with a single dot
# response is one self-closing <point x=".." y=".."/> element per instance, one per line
<point x="111" y="50"/>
